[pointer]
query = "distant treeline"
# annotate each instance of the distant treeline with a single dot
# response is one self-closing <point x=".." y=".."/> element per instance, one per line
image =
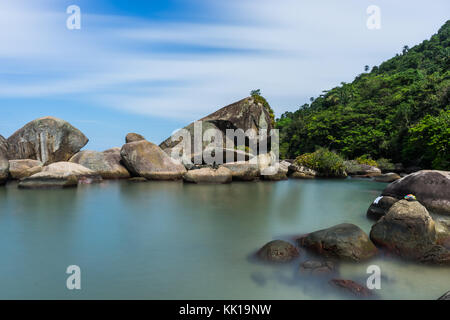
<point x="399" y="110"/>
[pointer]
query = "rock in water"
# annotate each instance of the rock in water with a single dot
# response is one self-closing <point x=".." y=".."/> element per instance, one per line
<point x="380" y="207"/>
<point x="244" y="114"/>
<point x="406" y="230"/>
<point x="46" y="139"/>
<point x="436" y="255"/>
<point x="344" y="241"/>
<point x="59" y="175"/>
<point x="300" y="172"/>
<point x="387" y="177"/>
<point x="354" y="168"/>
<point x="133" y="137"/>
<point x="209" y="175"/>
<point x="243" y="170"/>
<point x="19" y="169"/>
<point x="316" y="268"/>
<point x="145" y="159"/>
<point x="107" y="164"/>
<point x="4" y="163"/>
<point x="431" y="188"/>
<point x="278" y="251"/>
<point x="351" y="287"/>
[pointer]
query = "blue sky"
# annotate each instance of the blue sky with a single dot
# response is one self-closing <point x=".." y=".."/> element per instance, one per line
<point x="154" y="66"/>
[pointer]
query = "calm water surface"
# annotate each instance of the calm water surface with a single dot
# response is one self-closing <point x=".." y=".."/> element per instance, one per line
<point x="169" y="240"/>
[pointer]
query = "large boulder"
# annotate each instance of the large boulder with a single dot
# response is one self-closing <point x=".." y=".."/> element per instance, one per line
<point x="243" y="170"/>
<point x="380" y="206"/>
<point x="344" y="241"/>
<point x="245" y="114"/>
<point x="46" y="139"/>
<point x="436" y="255"/>
<point x="278" y="251"/>
<point x="276" y="172"/>
<point x="107" y="164"/>
<point x="431" y="188"/>
<point x="4" y="164"/>
<point x="145" y="159"/>
<point x="59" y="175"/>
<point x="23" y="168"/>
<point x="406" y="230"/>
<point x="209" y="175"/>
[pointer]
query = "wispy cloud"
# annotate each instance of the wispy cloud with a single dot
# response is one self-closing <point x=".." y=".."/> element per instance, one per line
<point x="289" y="49"/>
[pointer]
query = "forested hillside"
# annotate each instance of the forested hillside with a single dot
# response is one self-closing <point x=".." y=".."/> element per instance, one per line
<point x="399" y="110"/>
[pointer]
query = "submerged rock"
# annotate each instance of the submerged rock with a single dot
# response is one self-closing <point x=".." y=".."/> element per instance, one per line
<point x="209" y="175"/>
<point x="316" y="268"/>
<point x="380" y="207"/>
<point x="46" y="139"/>
<point x="107" y="164"/>
<point x="431" y="188"/>
<point x="59" y="175"/>
<point x="387" y="177"/>
<point x="436" y="255"/>
<point x="406" y="230"/>
<point x="24" y="168"/>
<point x="344" y="241"/>
<point x="133" y="137"/>
<point x="278" y="251"/>
<point x="145" y="159"/>
<point x="4" y="163"/>
<point x="352" y="287"/>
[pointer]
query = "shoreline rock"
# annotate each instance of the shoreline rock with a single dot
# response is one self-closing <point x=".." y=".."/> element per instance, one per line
<point x="407" y="230"/>
<point x="46" y="139"/>
<point x="4" y="163"/>
<point x="106" y="164"/>
<point x="145" y="159"/>
<point x="431" y="188"/>
<point x="344" y="241"/>
<point x="209" y="175"/>
<point x="23" y="168"/>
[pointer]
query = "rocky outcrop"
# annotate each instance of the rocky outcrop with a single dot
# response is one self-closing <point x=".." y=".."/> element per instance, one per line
<point x="351" y="287"/>
<point x="276" y="172"/>
<point x="46" y="139"/>
<point x="406" y="230"/>
<point x="431" y="188"/>
<point x="4" y="164"/>
<point x="344" y="241"/>
<point x="106" y="164"/>
<point x="243" y="170"/>
<point x="278" y="251"/>
<point x="19" y="169"/>
<point x="387" y="177"/>
<point x="380" y="207"/>
<point x="245" y="114"/>
<point x="353" y="168"/>
<point x="296" y="171"/>
<point x="145" y="159"/>
<point x="443" y="232"/>
<point x="59" y="175"/>
<point x="208" y="175"/>
<point x="133" y="137"/>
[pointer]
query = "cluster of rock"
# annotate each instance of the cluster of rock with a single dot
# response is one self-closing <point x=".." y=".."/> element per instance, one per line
<point x="30" y="155"/>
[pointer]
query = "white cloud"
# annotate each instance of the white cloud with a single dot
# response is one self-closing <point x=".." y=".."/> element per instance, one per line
<point x="289" y="49"/>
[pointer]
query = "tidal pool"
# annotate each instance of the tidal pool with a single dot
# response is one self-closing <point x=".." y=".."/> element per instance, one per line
<point x="169" y="240"/>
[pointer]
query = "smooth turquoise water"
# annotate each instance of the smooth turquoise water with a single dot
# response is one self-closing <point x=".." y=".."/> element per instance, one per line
<point x="169" y="240"/>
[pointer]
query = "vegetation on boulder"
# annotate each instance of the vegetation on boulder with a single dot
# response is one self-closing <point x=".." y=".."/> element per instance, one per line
<point x="325" y="162"/>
